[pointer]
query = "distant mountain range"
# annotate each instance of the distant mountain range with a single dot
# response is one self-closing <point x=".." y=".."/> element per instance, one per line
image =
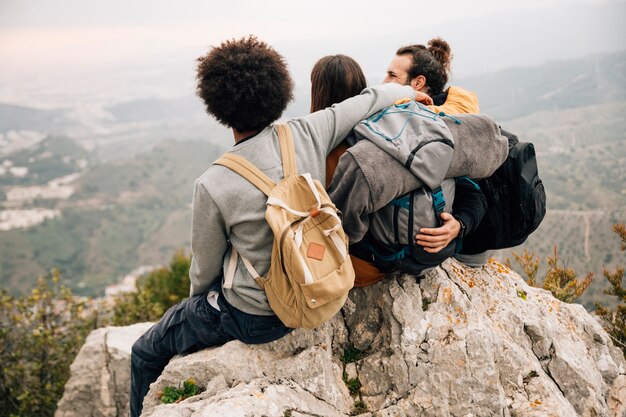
<point x="518" y="92"/>
<point x="14" y="117"/>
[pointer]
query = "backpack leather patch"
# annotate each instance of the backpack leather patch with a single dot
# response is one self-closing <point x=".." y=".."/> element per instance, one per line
<point x="315" y="251"/>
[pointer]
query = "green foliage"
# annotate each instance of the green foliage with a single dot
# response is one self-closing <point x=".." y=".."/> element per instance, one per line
<point x="359" y="408"/>
<point x="585" y="242"/>
<point x="563" y="284"/>
<point x="614" y="319"/>
<point x="620" y="230"/>
<point x="54" y="157"/>
<point x="561" y="281"/>
<point x="40" y="334"/>
<point x="171" y="395"/>
<point x="156" y="292"/>
<point x="354" y="386"/>
<point x="351" y="354"/>
<point x="97" y="246"/>
<point x="530" y="264"/>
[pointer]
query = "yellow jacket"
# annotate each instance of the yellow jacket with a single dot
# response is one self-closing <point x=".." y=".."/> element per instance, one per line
<point x="459" y="101"/>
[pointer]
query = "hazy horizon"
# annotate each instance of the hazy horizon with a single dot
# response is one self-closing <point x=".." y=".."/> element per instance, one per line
<point x="73" y="53"/>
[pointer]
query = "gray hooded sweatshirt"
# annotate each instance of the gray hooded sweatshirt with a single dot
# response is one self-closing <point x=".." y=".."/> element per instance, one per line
<point x="227" y="209"/>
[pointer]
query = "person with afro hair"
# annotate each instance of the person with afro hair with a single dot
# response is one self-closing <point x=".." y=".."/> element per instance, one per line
<point x="246" y="86"/>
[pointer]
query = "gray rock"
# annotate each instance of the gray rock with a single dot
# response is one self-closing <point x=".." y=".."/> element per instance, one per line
<point x="99" y="385"/>
<point x="461" y="342"/>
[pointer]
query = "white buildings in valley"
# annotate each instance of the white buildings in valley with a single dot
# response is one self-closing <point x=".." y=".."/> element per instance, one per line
<point x="19" y="172"/>
<point x="16" y="219"/>
<point x="56" y="189"/>
<point x="18" y="215"/>
<point x="127" y="284"/>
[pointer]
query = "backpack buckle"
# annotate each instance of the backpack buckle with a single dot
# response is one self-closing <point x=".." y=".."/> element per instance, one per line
<point x="439" y="202"/>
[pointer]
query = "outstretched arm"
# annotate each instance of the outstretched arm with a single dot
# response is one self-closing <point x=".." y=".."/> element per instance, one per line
<point x="330" y="126"/>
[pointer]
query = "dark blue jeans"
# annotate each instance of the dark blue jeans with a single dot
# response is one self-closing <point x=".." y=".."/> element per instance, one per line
<point x="187" y="327"/>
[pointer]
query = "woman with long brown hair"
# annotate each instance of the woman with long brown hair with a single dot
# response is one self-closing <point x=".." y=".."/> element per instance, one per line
<point x="335" y="78"/>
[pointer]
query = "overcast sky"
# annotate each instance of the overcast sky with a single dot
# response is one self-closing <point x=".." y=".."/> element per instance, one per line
<point x="47" y="43"/>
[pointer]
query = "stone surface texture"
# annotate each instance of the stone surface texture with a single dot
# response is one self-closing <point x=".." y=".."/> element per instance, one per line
<point x="460" y="342"/>
<point x="99" y="385"/>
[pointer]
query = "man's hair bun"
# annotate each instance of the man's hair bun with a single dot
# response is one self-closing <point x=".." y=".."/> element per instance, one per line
<point x="442" y="51"/>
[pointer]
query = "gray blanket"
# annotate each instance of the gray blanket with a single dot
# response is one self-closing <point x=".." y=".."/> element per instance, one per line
<point x="479" y="147"/>
<point x="367" y="178"/>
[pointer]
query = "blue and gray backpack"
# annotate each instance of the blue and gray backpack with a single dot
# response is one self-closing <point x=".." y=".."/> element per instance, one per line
<point x="418" y="138"/>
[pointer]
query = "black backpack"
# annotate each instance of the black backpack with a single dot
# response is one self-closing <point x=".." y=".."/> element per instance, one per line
<point x="516" y="201"/>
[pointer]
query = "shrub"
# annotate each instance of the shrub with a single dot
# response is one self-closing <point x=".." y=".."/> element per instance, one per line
<point x="614" y="320"/>
<point x="171" y="395"/>
<point x="156" y="292"/>
<point x="563" y="284"/>
<point x="40" y="334"/>
<point x="351" y="354"/>
<point x="561" y="281"/>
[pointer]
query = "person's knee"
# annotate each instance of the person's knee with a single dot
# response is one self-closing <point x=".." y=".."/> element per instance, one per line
<point x="138" y="349"/>
<point x="142" y="348"/>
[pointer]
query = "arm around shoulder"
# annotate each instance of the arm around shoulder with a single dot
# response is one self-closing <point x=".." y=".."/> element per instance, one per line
<point x="331" y="125"/>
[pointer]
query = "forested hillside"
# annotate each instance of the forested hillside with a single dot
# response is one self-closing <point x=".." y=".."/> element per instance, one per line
<point x="122" y="214"/>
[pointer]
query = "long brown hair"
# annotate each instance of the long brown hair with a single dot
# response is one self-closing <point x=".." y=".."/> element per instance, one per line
<point x="335" y="78"/>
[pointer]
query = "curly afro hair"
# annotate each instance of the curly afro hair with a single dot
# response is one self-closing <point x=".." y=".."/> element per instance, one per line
<point x="244" y="83"/>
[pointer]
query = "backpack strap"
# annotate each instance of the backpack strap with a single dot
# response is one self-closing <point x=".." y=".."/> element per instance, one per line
<point x="439" y="203"/>
<point x="287" y="150"/>
<point x="248" y="171"/>
<point x="254" y="175"/>
<point x="257" y="178"/>
<point x="232" y="267"/>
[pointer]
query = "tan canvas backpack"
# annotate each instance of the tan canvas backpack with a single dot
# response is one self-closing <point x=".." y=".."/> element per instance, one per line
<point x="310" y="272"/>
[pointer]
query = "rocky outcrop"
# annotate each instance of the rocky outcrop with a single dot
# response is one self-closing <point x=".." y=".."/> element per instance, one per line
<point x="461" y="342"/>
<point x="100" y="375"/>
